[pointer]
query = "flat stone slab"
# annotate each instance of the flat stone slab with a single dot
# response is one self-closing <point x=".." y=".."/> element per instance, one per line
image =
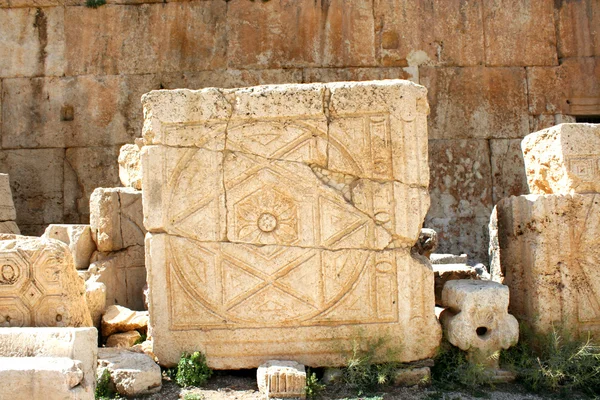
<point x="283" y="216"/>
<point x="563" y="159"/>
<point x="131" y="373"/>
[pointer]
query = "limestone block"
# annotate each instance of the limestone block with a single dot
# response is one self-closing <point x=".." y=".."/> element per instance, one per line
<point x="134" y="43"/>
<point x="577" y="31"/>
<point x="285" y="35"/>
<point x="570" y="89"/>
<point x="40" y="285"/>
<point x="78" y="344"/>
<point x="281" y="379"/>
<point x="124" y="275"/>
<point x="508" y="169"/>
<point x="33" y="41"/>
<point x="531" y="22"/>
<point x="477" y="319"/>
<point x="36" y="177"/>
<point x="120" y="319"/>
<point x="9" y="227"/>
<point x="146" y="348"/>
<point x="116" y="218"/>
<point x="413" y="33"/>
<point x="444" y="273"/>
<point x="427" y="242"/>
<point x="563" y="159"/>
<point x="412" y="376"/>
<point x="131" y="373"/>
<point x="78" y="238"/>
<point x="476" y="102"/>
<point x="129" y="166"/>
<point x="7" y="206"/>
<point x="52" y="378"/>
<point x="125" y="339"/>
<point x="95" y="296"/>
<point x="319" y="189"/>
<point x="463" y="235"/>
<point x="548" y="251"/>
<point x="437" y="258"/>
<point x="358" y="74"/>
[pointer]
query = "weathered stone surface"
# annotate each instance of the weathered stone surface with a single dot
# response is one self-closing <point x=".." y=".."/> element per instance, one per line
<point x="80" y="344"/>
<point x="32" y="41"/>
<point x="519" y="33"/>
<point x="131" y="373"/>
<point x="40" y="285"/>
<point x="281" y="379"/>
<point x="570" y="89"/>
<point x="9" y="227"/>
<point x="468" y="235"/>
<point x="496" y="273"/>
<point x="120" y="319"/>
<point x="444" y="273"/>
<point x="411" y="376"/>
<point x="477" y="319"/>
<point x="95" y="296"/>
<point x="412" y="32"/>
<point x="300" y="34"/>
<point x="476" y="102"/>
<point x="133" y="41"/>
<point x="357" y="74"/>
<point x="125" y="339"/>
<point x="129" y="166"/>
<point x="80" y="111"/>
<point x="52" y="378"/>
<point x="563" y="159"/>
<point x="440" y="258"/>
<point x="36" y="177"/>
<point x="577" y="28"/>
<point x="306" y="170"/>
<point x="553" y="279"/>
<point x="78" y="238"/>
<point x="427" y="242"/>
<point x="146" y="348"/>
<point x="7" y="206"/>
<point x="508" y="169"/>
<point x="116" y="218"/>
<point x="124" y="274"/>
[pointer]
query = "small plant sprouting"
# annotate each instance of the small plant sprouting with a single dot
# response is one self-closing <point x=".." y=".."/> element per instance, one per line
<point x="94" y="3"/>
<point x="192" y="370"/>
<point x="103" y="388"/>
<point x="193" y="396"/>
<point x="141" y="339"/>
<point x="313" y="388"/>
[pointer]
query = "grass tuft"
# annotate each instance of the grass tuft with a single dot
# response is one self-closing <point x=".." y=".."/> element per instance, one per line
<point x="192" y="370"/>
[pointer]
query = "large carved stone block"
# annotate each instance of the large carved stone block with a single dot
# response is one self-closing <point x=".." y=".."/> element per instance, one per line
<point x="563" y="159"/>
<point x="39" y="285"/>
<point x="287" y="212"/>
<point x="549" y="254"/>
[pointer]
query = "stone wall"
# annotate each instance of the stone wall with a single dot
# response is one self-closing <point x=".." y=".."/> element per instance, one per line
<point x="72" y="76"/>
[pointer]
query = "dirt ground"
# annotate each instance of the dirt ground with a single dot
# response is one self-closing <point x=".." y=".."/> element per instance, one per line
<point x="242" y="386"/>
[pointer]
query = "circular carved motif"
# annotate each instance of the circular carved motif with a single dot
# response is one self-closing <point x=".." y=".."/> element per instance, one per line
<point x="8" y="274"/>
<point x="267" y="222"/>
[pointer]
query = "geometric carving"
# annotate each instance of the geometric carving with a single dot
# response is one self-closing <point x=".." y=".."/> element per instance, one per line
<point x="39" y="285"/>
<point x="281" y="220"/>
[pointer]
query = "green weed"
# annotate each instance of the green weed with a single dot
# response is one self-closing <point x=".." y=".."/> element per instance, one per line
<point x="453" y="371"/>
<point x="193" y="396"/>
<point x="313" y="388"/>
<point x="192" y="370"/>
<point x="94" y="3"/>
<point x="104" y="390"/>
<point x="555" y="363"/>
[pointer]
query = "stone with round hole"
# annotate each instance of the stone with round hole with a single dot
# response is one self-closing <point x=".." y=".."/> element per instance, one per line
<point x="476" y="319"/>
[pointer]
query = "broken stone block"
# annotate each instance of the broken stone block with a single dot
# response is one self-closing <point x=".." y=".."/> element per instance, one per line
<point x="549" y="253"/>
<point x="131" y="373"/>
<point x="311" y="206"/>
<point x="427" y="242"/>
<point x="411" y="376"/>
<point x="7" y="206"/>
<point x="9" y="227"/>
<point x="116" y="218"/>
<point x="77" y="344"/>
<point x="39" y="285"/>
<point x="444" y="273"/>
<point x="437" y="258"/>
<point x="52" y="378"/>
<point x="120" y="319"/>
<point x="124" y="274"/>
<point x="125" y="339"/>
<point x="129" y="166"/>
<point x="563" y="159"/>
<point x="281" y="379"/>
<point x="95" y="296"/>
<point x="477" y="320"/>
<point x="146" y="348"/>
<point x="77" y="237"/>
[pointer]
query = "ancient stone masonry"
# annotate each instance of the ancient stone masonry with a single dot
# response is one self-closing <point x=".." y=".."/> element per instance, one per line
<point x="546" y="245"/>
<point x="281" y="221"/>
